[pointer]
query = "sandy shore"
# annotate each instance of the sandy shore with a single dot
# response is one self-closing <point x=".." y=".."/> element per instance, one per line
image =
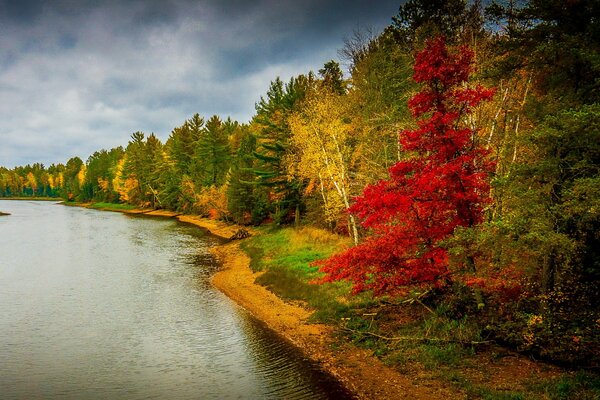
<point x="357" y="369"/>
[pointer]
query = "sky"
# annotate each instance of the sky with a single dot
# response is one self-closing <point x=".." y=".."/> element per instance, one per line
<point x="79" y="76"/>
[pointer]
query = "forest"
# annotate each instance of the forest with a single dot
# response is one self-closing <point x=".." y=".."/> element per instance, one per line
<point x="459" y="150"/>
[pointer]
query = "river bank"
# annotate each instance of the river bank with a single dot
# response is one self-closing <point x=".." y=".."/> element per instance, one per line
<point x="366" y="367"/>
<point x="357" y="369"/>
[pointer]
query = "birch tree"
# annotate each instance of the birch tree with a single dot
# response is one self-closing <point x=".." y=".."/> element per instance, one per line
<point x="322" y="137"/>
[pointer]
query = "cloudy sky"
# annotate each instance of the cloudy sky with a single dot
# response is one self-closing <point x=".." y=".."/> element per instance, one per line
<point x="78" y="76"/>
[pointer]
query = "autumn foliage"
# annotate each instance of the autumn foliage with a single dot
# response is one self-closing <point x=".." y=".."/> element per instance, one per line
<point x="441" y="185"/>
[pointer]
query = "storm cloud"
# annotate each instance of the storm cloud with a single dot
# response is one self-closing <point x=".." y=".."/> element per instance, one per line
<point x="78" y="76"/>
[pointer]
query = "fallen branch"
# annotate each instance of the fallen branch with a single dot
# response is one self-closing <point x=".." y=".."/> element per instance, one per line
<point x="419" y="339"/>
<point x="418" y="300"/>
<point x="240" y="234"/>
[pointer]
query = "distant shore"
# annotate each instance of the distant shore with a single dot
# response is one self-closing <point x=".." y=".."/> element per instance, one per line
<point x="57" y="199"/>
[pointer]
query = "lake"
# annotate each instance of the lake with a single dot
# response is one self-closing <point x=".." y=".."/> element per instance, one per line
<point x="101" y="305"/>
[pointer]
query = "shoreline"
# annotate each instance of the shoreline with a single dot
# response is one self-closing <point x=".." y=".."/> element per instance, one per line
<point x="57" y="199"/>
<point x="357" y="370"/>
<point x="360" y="372"/>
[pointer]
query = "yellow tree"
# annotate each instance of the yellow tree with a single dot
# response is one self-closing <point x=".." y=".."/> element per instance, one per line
<point x="31" y="182"/>
<point x="321" y="135"/>
<point x="120" y="184"/>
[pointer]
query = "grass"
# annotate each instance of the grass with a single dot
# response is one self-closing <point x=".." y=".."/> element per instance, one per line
<point x="112" y="206"/>
<point x="285" y="256"/>
<point x="581" y="385"/>
<point x="474" y="391"/>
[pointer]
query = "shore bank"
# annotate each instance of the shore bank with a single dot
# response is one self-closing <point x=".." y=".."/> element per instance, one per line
<point x="365" y="376"/>
<point x="358" y="370"/>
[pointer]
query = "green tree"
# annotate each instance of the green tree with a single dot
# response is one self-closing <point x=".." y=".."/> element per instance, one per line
<point x="100" y="174"/>
<point x="333" y="77"/>
<point x="143" y="161"/>
<point x="247" y="202"/>
<point x="558" y="40"/>
<point x="456" y="20"/>
<point x="212" y="154"/>
<point x="72" y="185"/>
<point x="271" y="122"/>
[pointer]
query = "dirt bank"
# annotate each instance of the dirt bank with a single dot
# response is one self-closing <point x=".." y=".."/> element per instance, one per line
<point x="358" y="370"/>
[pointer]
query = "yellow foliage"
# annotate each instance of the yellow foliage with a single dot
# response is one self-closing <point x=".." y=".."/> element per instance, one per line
<point x="103" y="184"/>
<point x="212" y="202"/>
<point x="81" y="175"/>
<point x="59" y="181"/>
<point x="130" y="187"/>
<point x="31" y="182"/>
<point x="118" y="181"/>
<point x="322" y="136"/>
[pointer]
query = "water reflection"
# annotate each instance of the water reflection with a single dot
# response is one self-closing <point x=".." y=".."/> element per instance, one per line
<point x="103" y="305"/>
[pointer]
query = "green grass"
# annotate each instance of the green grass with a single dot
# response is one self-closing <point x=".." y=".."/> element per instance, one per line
<point x="581" y="385"/>
<point x="285" y="256"/>
<point x="112" y="206"/>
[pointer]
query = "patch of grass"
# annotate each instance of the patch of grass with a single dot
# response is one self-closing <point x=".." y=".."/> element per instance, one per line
<point x="285" y="256"/>
<point x="581" y="385"/>
<point x="450" y="354"/>
<point x="481" y="392"/>
<point x="112" y="206"/>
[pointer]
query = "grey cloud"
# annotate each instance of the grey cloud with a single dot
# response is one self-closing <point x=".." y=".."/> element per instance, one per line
<point x="78" y="76"/>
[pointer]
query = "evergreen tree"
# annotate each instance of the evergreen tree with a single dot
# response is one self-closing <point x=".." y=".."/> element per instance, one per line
<point x="212" y="154"/>
<point x="72" y="189"/>
<point x="247" y="202"/>
<point x="271" y="120"/>
<point x="557" y="40"/>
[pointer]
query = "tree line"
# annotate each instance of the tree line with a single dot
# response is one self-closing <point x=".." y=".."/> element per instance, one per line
<point x="523" y="256"/>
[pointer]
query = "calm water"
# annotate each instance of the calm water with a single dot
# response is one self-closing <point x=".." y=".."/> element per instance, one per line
<point x="100" y="305"/>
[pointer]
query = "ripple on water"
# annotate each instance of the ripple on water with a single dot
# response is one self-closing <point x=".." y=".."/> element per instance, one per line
<point x="105" y="305"/>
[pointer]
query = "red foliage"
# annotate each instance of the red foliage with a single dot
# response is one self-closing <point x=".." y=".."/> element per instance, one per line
<point x="443" y="185"/>
<point x="500" y="286"/>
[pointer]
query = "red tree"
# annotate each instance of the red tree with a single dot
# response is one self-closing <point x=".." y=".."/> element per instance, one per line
<point x="442" y="185"/>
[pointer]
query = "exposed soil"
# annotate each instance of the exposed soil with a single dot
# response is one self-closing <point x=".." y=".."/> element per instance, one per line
<point x="357" y="369"/>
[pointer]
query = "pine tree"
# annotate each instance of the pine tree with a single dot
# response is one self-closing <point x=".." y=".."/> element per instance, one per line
<point x="271" y="118"/>
<point x="211" y="156"/>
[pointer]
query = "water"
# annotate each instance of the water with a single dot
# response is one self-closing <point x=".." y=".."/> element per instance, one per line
<point x="100" y="305"/>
